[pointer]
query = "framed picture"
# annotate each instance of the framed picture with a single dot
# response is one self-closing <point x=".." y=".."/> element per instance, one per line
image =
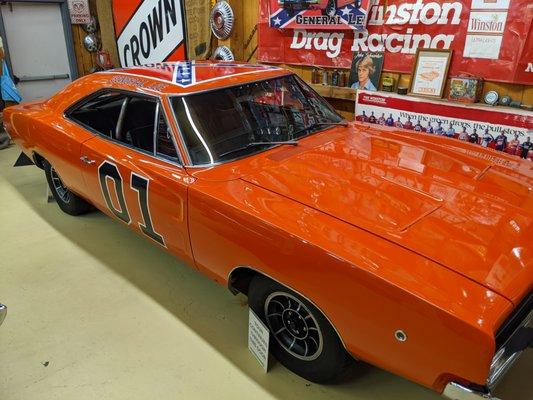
<point x="366" y="70"/>
<point x="429" y="72"/>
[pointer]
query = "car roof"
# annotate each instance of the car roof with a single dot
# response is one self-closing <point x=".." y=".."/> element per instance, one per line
<point x="192" y="76"/>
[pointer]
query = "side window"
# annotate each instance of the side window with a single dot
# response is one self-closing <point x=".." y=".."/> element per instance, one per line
<point x="165" y="145"/>
<point x="130" y="119"/>
<point x="136" y="123"/>
<point x="100" y="113"/>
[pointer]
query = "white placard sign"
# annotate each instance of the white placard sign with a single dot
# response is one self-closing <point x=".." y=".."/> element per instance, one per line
<point x="79" y="11"/>
<point x="258" y="338"/>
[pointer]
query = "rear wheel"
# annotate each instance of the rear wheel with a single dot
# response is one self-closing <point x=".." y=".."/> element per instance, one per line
<point x="301" y="338"/>
<point x="66" y="200"/>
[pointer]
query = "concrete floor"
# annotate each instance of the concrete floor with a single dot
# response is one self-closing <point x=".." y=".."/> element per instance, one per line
<point x="98" y="312"/>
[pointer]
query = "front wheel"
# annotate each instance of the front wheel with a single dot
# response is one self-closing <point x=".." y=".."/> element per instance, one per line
<point x="66" y="200"/>
<point x="301" y="338"/>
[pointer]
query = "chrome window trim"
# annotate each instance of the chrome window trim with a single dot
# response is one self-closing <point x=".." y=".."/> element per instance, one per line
<point x="154" y="132"/>
<point x="157" y="99"/>
<point x="214" y="164"/>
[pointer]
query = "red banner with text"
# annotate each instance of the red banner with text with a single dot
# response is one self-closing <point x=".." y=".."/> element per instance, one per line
<point x="489" y="38"/>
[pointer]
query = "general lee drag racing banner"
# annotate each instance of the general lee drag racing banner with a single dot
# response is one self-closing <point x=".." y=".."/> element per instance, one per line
<point x="149" y="31"/>
<point x="489" y="38"/>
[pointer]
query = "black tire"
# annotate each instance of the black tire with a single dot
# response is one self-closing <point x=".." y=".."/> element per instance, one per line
<point x="328" y="362"/>
<point x="4" y="140"/>
<point x="66" y="200"/>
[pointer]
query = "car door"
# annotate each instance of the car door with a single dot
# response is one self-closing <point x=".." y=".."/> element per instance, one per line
<point x="135" y="176"/>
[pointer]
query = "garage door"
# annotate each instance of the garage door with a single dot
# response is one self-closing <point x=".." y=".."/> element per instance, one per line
<point x="37" y="48"/>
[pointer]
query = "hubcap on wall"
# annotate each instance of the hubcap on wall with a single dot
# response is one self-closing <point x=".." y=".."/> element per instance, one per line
<point x="293" y="326"/>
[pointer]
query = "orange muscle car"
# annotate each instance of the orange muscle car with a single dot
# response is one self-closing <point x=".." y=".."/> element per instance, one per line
<point x="410" y="252"/>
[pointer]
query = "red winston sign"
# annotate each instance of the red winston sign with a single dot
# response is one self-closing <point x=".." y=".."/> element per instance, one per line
<point x="489" y="38"/>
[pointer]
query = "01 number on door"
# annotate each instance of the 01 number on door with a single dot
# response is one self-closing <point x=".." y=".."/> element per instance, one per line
<point x="109" y="171"/>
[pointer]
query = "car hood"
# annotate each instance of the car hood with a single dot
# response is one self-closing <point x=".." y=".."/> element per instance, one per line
<point x="464" y="207"/>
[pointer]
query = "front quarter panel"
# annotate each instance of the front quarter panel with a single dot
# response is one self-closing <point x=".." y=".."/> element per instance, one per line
<point x="367" y="286"/>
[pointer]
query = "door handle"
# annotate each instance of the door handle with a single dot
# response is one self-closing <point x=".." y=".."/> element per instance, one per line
<point x="86" y="160"/>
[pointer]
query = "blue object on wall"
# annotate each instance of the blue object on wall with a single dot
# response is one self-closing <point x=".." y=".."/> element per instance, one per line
<point x="9" y="91"/>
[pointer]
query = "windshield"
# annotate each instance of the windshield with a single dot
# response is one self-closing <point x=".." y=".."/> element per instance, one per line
<point x="228" y="123"/>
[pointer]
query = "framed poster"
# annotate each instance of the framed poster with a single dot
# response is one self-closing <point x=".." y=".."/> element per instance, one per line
<point x="430" y="72"/>
<point x="366" y="70"/>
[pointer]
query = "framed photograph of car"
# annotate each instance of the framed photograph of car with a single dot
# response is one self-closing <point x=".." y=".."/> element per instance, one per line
<point x="429" y="72"/>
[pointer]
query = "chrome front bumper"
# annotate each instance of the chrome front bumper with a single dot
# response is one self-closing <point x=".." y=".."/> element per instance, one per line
<point x="3" y="312"/>
<point x="456" y="391"/>
<point x="514" y="344"/>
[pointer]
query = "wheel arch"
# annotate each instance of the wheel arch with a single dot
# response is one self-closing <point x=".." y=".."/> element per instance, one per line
<point x="38" y="160"/>
<point x="239" y="280"/>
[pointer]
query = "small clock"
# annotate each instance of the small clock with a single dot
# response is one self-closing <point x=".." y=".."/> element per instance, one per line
<point x="491" y="98"/>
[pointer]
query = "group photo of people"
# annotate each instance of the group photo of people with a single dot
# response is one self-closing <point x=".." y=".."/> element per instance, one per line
<point x="496" y="140"/>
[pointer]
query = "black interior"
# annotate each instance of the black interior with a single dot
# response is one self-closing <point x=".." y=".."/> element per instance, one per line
<point x="102" y="114"/>
<point x="139" y="124"/>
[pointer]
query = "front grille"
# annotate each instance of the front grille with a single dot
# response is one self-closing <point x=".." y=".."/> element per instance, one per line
<point x="514" y="320"/>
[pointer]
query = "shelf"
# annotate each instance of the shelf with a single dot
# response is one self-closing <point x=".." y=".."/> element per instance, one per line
<point x="345" y="93"/>
<point x="335" y="92"/>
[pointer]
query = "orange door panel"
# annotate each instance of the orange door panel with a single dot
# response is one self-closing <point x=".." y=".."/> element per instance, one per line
<point x="148" y="194"/>
<point x="60" y="144"/>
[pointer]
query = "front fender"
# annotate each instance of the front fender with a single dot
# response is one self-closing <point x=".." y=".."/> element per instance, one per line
<point x="368" y="287"/>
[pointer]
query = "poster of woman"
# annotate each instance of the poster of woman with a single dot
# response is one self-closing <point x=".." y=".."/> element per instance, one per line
<point x="366" y="70"/>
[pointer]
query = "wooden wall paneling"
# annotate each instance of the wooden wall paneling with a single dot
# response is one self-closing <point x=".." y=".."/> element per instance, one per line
<point x="506" y="89"/>
<point x="306" y="73"/>
<point x="250" y="20"/>
<point x="345" y="108"/>
<point x="104" y="13"/>
<point x="198" y="29"/>
<point x="236" y="40"/>
<point x="78" y="48"/>
<point x="527" y="97"/>
<point x="83" y="57"/>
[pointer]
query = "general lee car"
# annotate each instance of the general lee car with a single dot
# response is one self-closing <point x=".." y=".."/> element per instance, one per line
<point x="411" y="252"/>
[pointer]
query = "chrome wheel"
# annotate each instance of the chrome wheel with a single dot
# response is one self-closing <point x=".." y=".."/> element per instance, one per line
<point x="293" y="326"/>
<point x="61" y="190"/>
